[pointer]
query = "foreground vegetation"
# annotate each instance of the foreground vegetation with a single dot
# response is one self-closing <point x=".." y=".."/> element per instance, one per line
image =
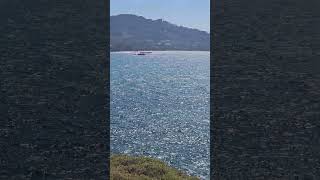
<point x="125" y="167"/>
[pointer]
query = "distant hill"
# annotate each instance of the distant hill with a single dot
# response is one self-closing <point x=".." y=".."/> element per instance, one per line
<point x="130" y="32"/>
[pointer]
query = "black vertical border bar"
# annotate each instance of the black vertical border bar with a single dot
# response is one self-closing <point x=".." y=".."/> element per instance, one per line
<point x="54" y="89"/>
<point x="265" y="89"/>
<point x="212" y="7"/>
<point x="216" y="14"/>
<point x="107" y="82"/>
<point x="215" y="11"/>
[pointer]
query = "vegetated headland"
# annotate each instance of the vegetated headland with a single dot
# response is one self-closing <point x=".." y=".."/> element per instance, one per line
<point x="131" y="33"/>
<point x="143" y="168"/>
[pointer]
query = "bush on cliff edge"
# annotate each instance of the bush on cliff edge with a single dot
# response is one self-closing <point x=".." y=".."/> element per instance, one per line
<point x="125" y="167"/>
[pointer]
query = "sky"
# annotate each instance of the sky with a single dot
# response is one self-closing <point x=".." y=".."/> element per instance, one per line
<point x="188" y="13"/>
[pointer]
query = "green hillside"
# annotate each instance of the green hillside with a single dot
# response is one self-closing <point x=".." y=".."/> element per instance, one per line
<point x="125" y="167"/>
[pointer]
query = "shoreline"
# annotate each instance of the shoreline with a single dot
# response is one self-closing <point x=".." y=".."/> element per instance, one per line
<point x="158" y="51"/>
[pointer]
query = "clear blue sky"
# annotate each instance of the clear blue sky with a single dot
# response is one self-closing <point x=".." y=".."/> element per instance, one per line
<point x="188" y="13"/>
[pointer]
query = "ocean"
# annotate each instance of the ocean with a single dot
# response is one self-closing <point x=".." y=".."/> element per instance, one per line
<point x="160" y="107"/>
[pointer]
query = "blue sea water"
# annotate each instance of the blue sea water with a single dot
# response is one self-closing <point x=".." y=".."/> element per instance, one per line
<point x="160" y="107"/>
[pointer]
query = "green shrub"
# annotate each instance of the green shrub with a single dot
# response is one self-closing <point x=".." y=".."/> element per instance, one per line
<point x="125" y="167"/>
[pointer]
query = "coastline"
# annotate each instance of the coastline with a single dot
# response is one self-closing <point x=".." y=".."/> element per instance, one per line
<point x="155" y="51"/>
